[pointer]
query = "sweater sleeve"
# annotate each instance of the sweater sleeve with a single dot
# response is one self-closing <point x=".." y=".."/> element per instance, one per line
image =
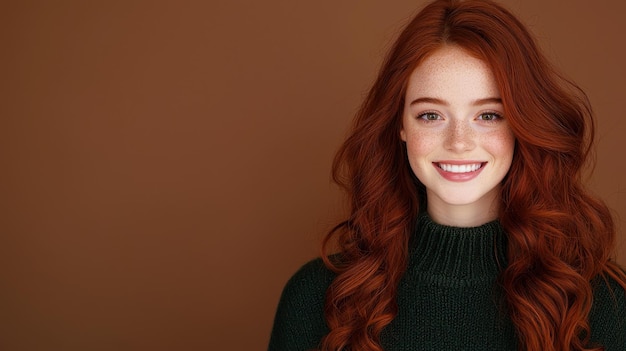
<point x="299" y="323"/>
<point x="608" y="316"/>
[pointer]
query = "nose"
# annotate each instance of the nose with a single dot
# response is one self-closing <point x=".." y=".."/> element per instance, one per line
<point x="459" y="136"/>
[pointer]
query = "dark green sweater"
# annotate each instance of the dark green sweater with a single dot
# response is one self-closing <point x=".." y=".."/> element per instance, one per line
<point x="447" y="299"/>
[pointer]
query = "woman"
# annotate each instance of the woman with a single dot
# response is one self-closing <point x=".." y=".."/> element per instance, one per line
<point x="469" y="228"/>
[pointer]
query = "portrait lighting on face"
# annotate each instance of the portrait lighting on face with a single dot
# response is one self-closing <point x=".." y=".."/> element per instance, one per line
<point x="459" y="144"/>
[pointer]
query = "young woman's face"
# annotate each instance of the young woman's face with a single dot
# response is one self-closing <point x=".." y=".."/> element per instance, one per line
<point x="458" y="141"/>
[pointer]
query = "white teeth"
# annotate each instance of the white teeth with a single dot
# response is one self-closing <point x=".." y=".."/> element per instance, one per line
<point x="460" y="168"/>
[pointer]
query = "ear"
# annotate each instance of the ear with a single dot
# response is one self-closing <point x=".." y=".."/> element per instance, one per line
<point x="403" y="135"/>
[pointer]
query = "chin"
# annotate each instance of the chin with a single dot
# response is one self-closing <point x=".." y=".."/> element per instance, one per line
<point x="457" y="198"/>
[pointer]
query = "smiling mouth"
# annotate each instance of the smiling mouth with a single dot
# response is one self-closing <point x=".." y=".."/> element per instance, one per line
<point x="462" y="168"/>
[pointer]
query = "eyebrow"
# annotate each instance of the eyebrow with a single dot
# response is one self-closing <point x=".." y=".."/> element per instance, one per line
<point x="478" y="102"/>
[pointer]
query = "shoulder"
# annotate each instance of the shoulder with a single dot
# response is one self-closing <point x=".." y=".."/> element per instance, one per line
<point x="311" y="276"/>
<point x="299" y="323"/>
<point x="607" y="317"/>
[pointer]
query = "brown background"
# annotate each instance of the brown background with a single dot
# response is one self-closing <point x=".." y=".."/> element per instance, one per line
<point x="165" y="165"/>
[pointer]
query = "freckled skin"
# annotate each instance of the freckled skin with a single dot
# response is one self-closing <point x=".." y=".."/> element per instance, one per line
<point x="458" y="118"/>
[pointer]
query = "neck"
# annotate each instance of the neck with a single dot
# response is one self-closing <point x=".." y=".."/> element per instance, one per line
<point x="464" y="215"/>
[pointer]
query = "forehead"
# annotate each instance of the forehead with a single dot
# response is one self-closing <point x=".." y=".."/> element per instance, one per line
<point x="450" y="71"/>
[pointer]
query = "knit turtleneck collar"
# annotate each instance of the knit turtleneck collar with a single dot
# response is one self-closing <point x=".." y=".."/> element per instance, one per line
<point x="451" y="254"/>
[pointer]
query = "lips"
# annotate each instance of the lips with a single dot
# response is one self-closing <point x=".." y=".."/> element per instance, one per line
<point x="459" y="171"/>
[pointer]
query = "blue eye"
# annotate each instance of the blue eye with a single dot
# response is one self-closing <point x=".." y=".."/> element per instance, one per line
<point x="489" y="116"/>
<point x="429" y="116"/>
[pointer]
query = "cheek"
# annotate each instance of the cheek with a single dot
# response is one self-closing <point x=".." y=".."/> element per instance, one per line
<point x="419" y="146"/>
<point x="421" y="143"/>
<point x="501" y="144"/>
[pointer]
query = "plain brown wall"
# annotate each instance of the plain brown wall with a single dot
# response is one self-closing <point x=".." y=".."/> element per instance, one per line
<point x="165" y="165"/>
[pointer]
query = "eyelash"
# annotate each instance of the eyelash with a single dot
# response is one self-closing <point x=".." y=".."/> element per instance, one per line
<point x="423" y="115"/>
<point x="495" y="116"/>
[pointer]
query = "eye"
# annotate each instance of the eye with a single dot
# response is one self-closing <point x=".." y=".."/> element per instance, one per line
<point x="429" y="116"/>
<point x="489" y="116"/>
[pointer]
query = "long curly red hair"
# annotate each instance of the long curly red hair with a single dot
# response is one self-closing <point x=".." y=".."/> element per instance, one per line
<point x="559" y="237"/>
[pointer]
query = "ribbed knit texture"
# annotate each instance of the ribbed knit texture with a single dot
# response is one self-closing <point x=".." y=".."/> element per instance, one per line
<point x="448" y="298"/>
